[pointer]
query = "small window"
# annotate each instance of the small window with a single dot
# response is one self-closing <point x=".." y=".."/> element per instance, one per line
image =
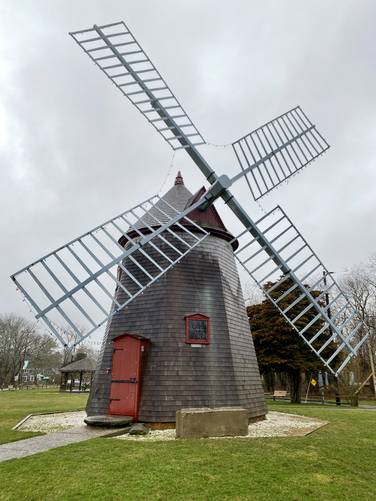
<point x="197" y="329"/>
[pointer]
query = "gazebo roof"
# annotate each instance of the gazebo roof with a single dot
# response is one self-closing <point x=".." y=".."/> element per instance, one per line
<point x="81" y="365"/>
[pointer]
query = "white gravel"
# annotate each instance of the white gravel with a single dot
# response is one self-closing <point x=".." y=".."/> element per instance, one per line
<point x="276" y="424"/>
<point x="49" y="423"/>
<point x="281" y="424"/>
<point x="152" y="436"/>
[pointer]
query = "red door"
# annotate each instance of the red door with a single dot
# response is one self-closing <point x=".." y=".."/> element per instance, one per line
<point x="126" y="374"/>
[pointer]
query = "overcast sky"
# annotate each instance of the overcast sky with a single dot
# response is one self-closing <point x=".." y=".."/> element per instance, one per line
<point x="74" y="152"/>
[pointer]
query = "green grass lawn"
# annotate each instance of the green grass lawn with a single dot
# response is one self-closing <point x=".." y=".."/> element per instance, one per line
<point x="336" y="462"/>
<point x="367" y="402"/>
<point x="14" y="405"/>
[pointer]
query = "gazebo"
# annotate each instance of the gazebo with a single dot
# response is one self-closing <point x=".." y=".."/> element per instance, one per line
<point x="82" y="370"/>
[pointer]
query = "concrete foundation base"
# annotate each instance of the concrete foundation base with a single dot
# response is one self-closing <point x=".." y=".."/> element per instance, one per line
<point x="207" y="422"/>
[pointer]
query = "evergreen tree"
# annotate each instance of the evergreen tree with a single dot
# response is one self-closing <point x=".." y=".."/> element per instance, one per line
<point x="278" y="346"/>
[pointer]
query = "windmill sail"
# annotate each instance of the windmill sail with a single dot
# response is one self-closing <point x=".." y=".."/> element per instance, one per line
<point x="276" y="151"/>
<point x="76" y="279"/>
<point x="74" y="285"/>
<point x="297" y="283"/>
<point x="117" y="53"/>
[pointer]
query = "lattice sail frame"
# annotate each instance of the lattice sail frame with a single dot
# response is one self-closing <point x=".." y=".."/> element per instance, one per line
<point x="334" y="327"/>
<point x="117" y="53"/>
<point x="277" y="150"/>
<point x="72" y="284"/>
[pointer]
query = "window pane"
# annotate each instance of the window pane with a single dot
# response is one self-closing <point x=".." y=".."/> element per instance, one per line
<point x="198" y="329"/>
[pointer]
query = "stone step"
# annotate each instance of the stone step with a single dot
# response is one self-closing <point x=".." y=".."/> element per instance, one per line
<point x="108" y="421"/>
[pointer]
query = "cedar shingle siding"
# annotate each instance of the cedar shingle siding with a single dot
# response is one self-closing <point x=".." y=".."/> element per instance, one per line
<point x="176" y="375"/>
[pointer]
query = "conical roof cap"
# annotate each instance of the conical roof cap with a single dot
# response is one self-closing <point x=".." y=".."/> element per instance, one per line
<point x="179" y="198"/>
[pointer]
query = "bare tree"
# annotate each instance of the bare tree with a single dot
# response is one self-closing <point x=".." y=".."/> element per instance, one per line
<point x="360" y="287"/>
<point x="252" y="293"/>
<point x="371" y="273"/>
<point x="15" y="341"/>
<point x="70" y="338"/>
<point x="44" y="352"/>
<point x="85" y="350"/>
<point x="20" y="340"/>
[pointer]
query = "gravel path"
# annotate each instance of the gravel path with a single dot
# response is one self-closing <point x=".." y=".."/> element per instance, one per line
<point x="67" y="428"/>
<point x="49" y="423"/>
<point x="280" y="424"/>
<point x="34" y="445"/>
<point x="276" y="424"/>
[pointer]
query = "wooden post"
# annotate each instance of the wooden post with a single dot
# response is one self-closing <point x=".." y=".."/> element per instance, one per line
<point x="80" y="384"/>
<point x="364" y="382"/>
<point x="372" y="364"/>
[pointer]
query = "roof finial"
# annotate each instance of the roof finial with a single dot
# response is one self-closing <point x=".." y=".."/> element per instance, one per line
<point x="179" y="179"/>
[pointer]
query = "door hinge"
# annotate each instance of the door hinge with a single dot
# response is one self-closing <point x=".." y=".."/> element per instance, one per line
<point x="131" y="380"/>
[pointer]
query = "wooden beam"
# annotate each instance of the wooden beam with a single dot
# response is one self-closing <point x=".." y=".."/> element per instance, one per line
<point x="364" y="382"/>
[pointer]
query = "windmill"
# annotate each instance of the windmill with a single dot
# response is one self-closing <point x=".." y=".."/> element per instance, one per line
<point x="147" y="249"/>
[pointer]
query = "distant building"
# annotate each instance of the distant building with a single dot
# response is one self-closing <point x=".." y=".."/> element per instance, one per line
<point x="78" y="375"/>
<point x="37" y="375"/>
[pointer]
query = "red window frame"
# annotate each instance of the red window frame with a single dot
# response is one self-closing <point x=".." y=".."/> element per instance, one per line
<point x="197" y="316"/>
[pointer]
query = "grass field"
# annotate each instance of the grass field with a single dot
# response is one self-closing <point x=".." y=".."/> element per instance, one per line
<point x="14" y="405"/>
<point x="336" y="462"/>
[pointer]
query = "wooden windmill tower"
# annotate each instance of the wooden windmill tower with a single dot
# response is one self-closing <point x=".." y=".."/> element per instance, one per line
<point x="187" y="341"/>
<point x="177" y="320"/>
